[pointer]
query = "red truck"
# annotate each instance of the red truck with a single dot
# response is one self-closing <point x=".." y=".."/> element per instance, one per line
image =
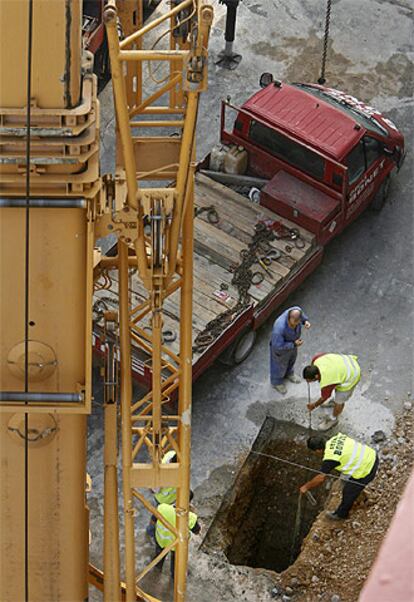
<point x="298" y="164"/>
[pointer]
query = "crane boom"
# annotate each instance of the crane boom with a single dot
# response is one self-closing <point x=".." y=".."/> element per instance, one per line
<point x="154" y="225"/>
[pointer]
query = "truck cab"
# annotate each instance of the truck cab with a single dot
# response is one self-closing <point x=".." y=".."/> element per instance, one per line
<point x="325" y="155"/>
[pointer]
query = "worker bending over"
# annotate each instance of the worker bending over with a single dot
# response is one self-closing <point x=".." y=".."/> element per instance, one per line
<point x="284" y="346"/>
<point x="335" y="372"/>
<point x="355" y="460"/>
<point x="164" y="537"/>
<point x="163" y="495"/>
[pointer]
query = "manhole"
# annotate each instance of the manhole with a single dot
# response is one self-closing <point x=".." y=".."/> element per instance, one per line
<point x="256" y="524"/>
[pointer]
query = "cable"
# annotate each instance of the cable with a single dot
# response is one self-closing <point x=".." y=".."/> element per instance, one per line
<point x="331" y="476"/>
<point x="26" y="309"/>
<point x="322" y="79"/>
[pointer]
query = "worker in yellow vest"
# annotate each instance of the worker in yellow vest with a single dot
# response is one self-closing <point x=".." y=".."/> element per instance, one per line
<point x="352" y="459"/>
<point x="335" y="372"/>
<point x="164" y="537"/>
<point x="164" y="495"/>
<point x="167" y="495"/>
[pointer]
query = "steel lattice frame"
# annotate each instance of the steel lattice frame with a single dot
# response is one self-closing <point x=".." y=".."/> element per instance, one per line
<point x="155" y="228"/>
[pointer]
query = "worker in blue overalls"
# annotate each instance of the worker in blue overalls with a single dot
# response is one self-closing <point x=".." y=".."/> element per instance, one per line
<point x="284" y="344"/>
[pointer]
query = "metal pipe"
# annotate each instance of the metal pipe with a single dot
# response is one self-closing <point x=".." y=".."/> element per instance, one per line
<point x="149" y="26"/>
<point x="41" y="397"/>
<point x="157" y="124"/>
<point x="126" y="398"/>
<point x="152" y="55"/>
<point x="184" y="399"/>
<point x="45" y="203"/>
<point x="121" y="104"/>
<point x="186" y="152"/>
<point x="112" y="587"/>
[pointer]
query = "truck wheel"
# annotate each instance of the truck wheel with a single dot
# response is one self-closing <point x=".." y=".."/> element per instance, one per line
<point x="381" y="195"/>
<point x="240" y="349"/>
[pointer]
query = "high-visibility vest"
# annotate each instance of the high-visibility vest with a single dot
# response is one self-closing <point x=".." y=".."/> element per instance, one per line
<point x="338" y="369"/>
<point x="163" y="535"/>
<point x="166" y="495"/>
<point x="355" y="459"/>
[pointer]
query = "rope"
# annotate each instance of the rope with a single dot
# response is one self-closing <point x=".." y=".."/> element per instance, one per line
<point x="331" y="476"/>
<point x="322" y="79"/>
<point x="26" y="309"/>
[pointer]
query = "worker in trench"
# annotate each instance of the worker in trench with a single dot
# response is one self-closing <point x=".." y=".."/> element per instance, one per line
<point x="286" y="338"/>
<point x="336" y="373"/>
<point x="355" y="461"/>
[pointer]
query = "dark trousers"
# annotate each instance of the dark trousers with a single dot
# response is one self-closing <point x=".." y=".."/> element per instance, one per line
<point x="352" y="489"/>
<point x="158" y="550"/>
<point x="281" y="364"/>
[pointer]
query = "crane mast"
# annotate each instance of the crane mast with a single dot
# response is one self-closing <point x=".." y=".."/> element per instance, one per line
<point x="54" y="204"/>
<point x="154" y="225"/>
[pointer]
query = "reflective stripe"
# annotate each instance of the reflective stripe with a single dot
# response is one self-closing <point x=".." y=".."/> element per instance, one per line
<point x="347" y="468"/>
<point x="164" y="535"/>
<point x="351" y="371"/>
<point x="348" y="368"/>
<point x="359" y="461"/>
<point x="352" y="458"/>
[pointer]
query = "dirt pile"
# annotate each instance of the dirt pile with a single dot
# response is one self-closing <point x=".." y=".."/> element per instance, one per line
<point x="337" y="557"/>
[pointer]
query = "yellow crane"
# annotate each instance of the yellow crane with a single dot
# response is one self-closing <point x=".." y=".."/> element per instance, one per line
<point x="53" y="206"/>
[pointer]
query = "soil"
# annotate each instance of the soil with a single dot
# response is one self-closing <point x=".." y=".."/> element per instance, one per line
<point x="259" y="523"/>
<point x="336" y="558"/>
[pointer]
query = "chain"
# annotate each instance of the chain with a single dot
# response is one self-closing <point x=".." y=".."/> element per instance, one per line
<point x="212" y="213"/>
<point x="322" y="79"/>
<point x="243" y="278"/>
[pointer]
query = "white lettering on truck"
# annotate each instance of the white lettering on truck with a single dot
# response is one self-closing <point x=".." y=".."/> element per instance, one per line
<point x="365" y="182"/>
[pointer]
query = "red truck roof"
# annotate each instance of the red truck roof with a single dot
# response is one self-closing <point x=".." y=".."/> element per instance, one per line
<point x="310" y="119"/>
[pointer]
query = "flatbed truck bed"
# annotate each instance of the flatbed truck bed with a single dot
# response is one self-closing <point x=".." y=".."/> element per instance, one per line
<point x="218" y="250"/>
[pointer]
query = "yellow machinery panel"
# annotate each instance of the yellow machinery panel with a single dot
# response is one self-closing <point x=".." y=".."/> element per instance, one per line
<point x="57" y="532"/>
<point x="56" y="77"/>
<point x="59" y="298"/>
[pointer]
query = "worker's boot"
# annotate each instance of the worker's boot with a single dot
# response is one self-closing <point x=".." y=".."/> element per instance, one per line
<point x="293" y="378"/>
<point x="327" y="423"/>
<point x="332" y="515"/>
<point x="280" y="388"/>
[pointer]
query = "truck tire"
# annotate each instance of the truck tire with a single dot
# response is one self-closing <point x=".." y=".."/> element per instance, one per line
<point x="240" y="349"/>
<point x="381" y="195"/>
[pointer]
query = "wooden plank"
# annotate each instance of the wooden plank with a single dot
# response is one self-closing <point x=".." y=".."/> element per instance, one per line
<point x="212" y="189"/>
<point x="219" y="275"/>
<point x="241" y="227"/>
<point x="225" y="244"/>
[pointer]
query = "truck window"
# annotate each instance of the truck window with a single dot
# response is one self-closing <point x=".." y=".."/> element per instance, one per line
<point x="283" y="148"/>
<point x="373" y="149"/>
<point x="367" y="151"/>
<point x="355" y="162"/>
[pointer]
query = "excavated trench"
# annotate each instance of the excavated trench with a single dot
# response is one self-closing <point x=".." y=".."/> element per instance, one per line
<point x="256" y="524"/>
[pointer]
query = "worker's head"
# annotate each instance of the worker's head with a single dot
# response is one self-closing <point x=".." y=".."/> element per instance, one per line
<point x="294" y="317"/>
<point x="316" y="444"/>
<point x="311" y="373"/>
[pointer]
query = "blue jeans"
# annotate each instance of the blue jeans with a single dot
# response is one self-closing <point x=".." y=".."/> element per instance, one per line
<point x="281" y="364"/>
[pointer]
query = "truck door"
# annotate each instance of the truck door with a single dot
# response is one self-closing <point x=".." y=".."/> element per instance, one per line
<point x="365" y="165"/>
